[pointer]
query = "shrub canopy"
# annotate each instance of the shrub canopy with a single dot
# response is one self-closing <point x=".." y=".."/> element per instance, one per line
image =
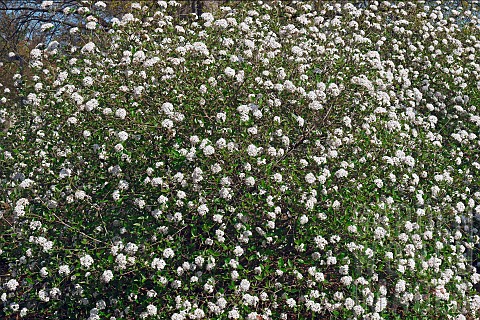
<point x="276" y="161"/>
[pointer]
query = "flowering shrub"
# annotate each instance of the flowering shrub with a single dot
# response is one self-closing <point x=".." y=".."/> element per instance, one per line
<point x="269" y="162"/>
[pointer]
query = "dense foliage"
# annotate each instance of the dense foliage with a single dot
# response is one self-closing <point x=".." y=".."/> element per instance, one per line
<point x="268" y="162"/>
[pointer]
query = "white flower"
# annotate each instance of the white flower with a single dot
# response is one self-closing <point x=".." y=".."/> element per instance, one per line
<point x="222" y="23"/>
<point x="381" y="304"/>
<point x="303" y="219"/>
<point x="358" y="310"/>
<point x="202" y="209"/>
<point x="346" y="280"/>
<point x="12" y="284"/>
<point x="158" y="264"/>
<point x="277" y="177"/>
<point x="86" y="261"/>
<point x="46" y="26"/>
<point x="409" y="161"/>
<point x="221" y="117"/>
<point x="194" y="139"/>
<point x="121" y="261"/>
<point x="252" y="150"/>
<point x="64" y="270"/>
<point x="379" y="233"/>
<point x="331" y="260"/>
<point x="250" y="181"/>
<point x="291" y="302"/>
<point x="233" y="314"/>
<point x="121" y="113"/>
<point x="45" y="4"/>
<point x="122" y="136"/>
<point x="123" y="185"/>
<point x="336" y="204"/>
<point x="100" y="4"/>
<point x="116" y="195"/>
<point x="162" y="199"/>
<point x="92" y="25"/>
<point x="244" y="285"/>
<point x="80" y="194"/>
<point x="27" y="183"/>
<point x="301" y="121"/>
<point x="475" y="278"/>
<point x="378" y="182"/>
<point x="310" y="178"/>
<point x="342" y="173"/>
<point x="118" y="147"/>
<point x="215" y="168"/>
<point x="229" y="72"/>
<point x="197" y="175"/>
<point x="107" y="111"/>
<point x="315" y="105"/>
<point x="107" y="276"/>
<point x="131" y="248"/>
<point x="36" y="54"/>
<point x="167" y="123"/>
<point x="199" y="260"/>
<point x="151" y="310"/>
<point x="55" y="293"/>
<point x="43" y="296"/>
<point x="320" y="242"/>
<point x="43" y="272"/>
<point x="208" y="150"/>
<point x="207" y="16"/>
<point x="168" y="253"/>
<point x="344" y="270"/>
<point x="238" y="251"/>
<point x="23" y="312"/>
<point x="400" y="286"/>
<point x="89" y="47"/>
<point x="460" y="207"/>
<point x="349" y="303"/>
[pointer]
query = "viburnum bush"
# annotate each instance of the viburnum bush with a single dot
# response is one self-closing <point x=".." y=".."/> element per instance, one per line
<point x="264" y="162"/>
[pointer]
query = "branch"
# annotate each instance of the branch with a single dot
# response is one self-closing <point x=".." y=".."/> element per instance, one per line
<point x="30" y="9"/>
<point x="33" y="10"/>
<point x="70" y="24"/>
